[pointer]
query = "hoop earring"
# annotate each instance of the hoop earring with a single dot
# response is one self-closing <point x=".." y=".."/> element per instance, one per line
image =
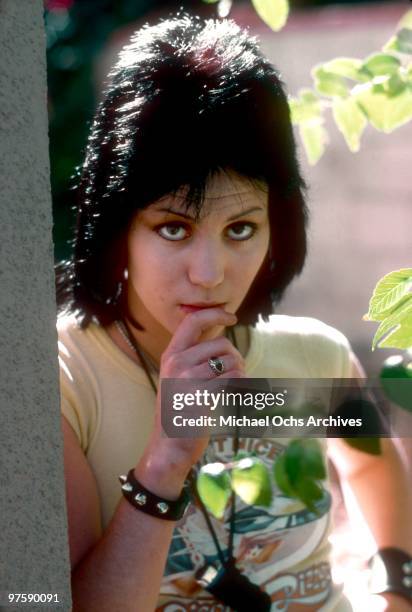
<point x="115" y="298"/>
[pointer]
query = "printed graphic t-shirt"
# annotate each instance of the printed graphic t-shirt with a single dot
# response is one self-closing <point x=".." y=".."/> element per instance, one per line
<point x="108" y="400"/>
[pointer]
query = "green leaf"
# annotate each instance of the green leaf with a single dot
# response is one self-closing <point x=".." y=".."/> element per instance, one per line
<point x="397" y="366"/>
<point x="329" y="84"/>
<point x="395" y="84"/>
<point x="298" y="470"/>
<point x="347" y="67"/>
<point x="385" y="112"/>
<point x="273" y="12"/>
<point x="388" y="293"/>
<point x="396" y="380"/>
<point x="391" y="45"/>
<point x="251" y="481"/>
<point x="309" y="492"/>
<point x="314" y="463"/>
<point x="308" y="96"/>
<point x="387" y="322"/>
<point x="210" y="1"/>
<point x="306" y="107"/>
<point x="396" y="330"/>
<point x="381" y="64"/>
<point x="350" y="120"/>
<point x="401" y="336"/>
<point x="371" y="446"/>
<point x="281" y="477"/>
<point x="314" y="138"/>
<point x="214" y="487"/>
<point x="401" y="43"/>
<point x="304" y="459"/>
<point x="404" y="41"/>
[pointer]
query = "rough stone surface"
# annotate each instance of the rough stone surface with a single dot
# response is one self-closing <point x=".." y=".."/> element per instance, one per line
<point x="33" y="530"/>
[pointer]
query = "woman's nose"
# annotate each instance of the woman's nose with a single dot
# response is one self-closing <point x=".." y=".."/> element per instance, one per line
<point x="206" y="265"/>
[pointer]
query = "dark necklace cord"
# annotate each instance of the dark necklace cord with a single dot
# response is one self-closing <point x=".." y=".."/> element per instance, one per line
<point x="204" y="511"/>
<point x="139" y="353"/>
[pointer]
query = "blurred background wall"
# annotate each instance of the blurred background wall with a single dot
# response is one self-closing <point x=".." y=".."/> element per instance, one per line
<point x="361" y="210"/>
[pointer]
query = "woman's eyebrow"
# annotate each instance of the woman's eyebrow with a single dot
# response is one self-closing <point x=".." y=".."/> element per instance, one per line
<point x="232" y="218"/>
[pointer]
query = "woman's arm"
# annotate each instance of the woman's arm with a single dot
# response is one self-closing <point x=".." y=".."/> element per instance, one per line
<point x="382" y="487"/>
<point x="122" y="567"/>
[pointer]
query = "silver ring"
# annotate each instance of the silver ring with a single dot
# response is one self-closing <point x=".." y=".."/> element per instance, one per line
<point x="216" y="365"/>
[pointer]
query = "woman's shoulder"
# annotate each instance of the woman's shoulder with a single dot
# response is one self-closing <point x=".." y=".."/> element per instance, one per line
<point x="78" y="348"/>
<point x="305" y="343"/>
<point x="298" y="326"/>
<point x="79" y="378"/>
<point x="68" y="325"/>
<point x="72" y="334"/>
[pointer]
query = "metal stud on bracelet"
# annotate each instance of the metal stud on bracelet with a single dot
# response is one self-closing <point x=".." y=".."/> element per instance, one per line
<point x="163" y="507"/>
<point x="142" y="499"/>
<point x="407" y="567"/>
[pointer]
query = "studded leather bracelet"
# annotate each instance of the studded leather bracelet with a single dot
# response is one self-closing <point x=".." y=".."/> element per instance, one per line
<point x="152" y="504"/>
<point x="391" y="572"/>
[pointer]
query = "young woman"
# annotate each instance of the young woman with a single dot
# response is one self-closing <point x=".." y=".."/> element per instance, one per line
<point x="191" y="223"/>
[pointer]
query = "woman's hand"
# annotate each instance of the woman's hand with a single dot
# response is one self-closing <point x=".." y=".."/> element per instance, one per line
<point x="185" y="357"/>
<point x="167" y="461"/>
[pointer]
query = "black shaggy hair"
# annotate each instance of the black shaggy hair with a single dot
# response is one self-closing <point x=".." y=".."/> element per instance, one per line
<point x="187" y="98"/>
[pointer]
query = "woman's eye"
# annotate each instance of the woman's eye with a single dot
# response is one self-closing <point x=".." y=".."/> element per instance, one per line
<point x="241" y="231"/>
<point x="173" y="231"/>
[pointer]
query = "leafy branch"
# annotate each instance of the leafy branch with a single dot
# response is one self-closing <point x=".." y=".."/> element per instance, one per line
<point x="391" y="306"/>
<point x="297" y="472"/>
<point x="376" y="90"/>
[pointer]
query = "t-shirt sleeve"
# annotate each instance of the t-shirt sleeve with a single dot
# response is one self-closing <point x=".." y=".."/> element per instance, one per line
<point x="326" y="350"/>
<point x="69" y="411"/>
<point x="77" y="397"/>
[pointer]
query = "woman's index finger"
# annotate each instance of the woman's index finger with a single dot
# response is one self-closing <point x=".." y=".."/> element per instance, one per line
<point x="195" y="323"/>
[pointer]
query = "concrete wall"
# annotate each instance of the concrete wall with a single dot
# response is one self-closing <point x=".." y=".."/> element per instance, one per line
<point x="33" y="540"/>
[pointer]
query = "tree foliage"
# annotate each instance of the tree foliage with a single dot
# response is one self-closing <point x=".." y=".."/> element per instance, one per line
<point x="375" y="90"/>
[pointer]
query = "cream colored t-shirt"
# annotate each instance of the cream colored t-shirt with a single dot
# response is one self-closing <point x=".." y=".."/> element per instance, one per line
<point x="109" y="402"/>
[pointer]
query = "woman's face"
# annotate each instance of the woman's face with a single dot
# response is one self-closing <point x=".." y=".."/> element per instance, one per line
<point x="177" y="265"/>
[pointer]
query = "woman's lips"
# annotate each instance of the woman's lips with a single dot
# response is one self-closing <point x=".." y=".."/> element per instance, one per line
<point x="195" y="307"/>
